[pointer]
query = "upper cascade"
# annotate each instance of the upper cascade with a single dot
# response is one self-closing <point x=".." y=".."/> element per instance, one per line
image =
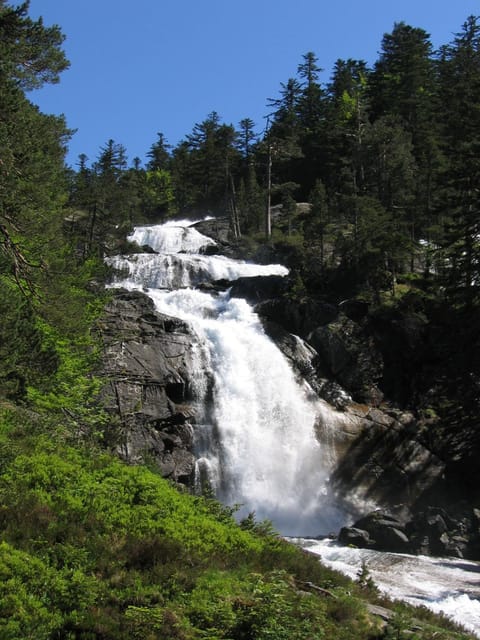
<point x="175" y="271"/>
<point x="178" y="263"/>
<point x="174" y="236"/>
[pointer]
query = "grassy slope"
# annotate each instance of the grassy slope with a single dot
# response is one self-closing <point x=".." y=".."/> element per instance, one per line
<point x="93" y="548"/>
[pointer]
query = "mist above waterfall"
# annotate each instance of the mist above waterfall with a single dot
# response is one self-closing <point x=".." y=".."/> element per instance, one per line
<point x="256" y="441"/>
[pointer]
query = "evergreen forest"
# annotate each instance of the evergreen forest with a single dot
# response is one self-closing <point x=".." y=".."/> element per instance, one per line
<point x="367" y="186"/>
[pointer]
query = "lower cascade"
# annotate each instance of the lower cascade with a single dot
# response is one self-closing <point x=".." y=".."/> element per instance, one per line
<point x="261" y="434"/>
<point x="444" y="585"/>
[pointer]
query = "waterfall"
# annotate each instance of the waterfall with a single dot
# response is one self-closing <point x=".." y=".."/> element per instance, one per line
<point x="259" y="448"/>
<point x="256" y="442"/>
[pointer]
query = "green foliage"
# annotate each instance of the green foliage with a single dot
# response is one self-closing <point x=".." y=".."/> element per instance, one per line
<point x="30" y="51"/>
<point x="27" y="596"/>
<point x="92" y="547"/>
<point x="72" y="384"/>
<point x="272" y="610"/>
<point x="36" y="600"/>
<point x="157" y="194"/>
<point x="364" y="578"/>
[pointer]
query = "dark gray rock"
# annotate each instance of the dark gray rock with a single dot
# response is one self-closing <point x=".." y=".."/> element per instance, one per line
<point x="385" y="532"/>
<point x="258" y="288"/>
<point x="354" y="536"/>
<point x="300" y="318"/>
<point x="219" y="229"/>
<point x="390" y="538"/>
<point x="148" y="364"/>
<point x="350" y="357"/>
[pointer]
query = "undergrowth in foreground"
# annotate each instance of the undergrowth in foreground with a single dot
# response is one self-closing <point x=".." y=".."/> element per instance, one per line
<point x="92" y="548"/>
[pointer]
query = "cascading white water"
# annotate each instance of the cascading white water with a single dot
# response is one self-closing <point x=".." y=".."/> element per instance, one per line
<point x="262" y="452"/>
<point x="444" y="585"/>
<point x="175" y="236"/>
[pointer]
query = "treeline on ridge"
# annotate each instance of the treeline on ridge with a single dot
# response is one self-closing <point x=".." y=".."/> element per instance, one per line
<point x="387" y="157"/>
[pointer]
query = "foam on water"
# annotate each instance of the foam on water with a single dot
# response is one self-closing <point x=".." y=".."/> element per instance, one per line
<point x="171" y="237"/>
<point x="444" y="585"/>
<point x="176" y="271"/>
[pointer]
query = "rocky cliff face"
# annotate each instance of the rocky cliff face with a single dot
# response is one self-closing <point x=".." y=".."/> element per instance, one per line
<point x="380" y="458"/>
<point x="149" y="361"/>
<point x="385" y="456"/>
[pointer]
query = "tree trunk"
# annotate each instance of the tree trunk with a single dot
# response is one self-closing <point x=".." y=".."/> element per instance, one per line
<point x="268" y="212"/>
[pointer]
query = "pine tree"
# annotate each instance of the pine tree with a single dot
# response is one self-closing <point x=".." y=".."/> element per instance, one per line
<point x="459" y="69"/>
<point x="310" y="102"/>
<point x="347" y="126"/>
<point x="403" y="84"/>
<point x="32" y="174"/>
<point x="205" y="165"/>
<point x="159" y="154"/>
<point x="311" y="118"/>
<point x="246" y="139"/>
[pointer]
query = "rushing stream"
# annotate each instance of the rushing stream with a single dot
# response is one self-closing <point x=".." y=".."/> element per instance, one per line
<point x="447" y="585"/>
<point x="257" y="444"/>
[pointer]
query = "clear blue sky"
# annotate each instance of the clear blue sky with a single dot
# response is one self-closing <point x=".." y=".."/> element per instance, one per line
<point x="144" y="66"/>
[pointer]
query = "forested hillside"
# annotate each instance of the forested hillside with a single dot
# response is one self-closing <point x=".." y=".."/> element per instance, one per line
<point x="388" y="160"/>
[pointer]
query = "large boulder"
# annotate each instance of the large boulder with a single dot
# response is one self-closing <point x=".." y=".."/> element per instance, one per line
<point x="220" y="230"/>
<point x="149" y="364"/>
<point x="351" y="536"/>
<point x="386" y="532"/>
<point x="377" y="530"/>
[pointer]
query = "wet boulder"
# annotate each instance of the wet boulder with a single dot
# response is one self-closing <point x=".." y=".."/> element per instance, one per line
<point x="377" y="530"/>
<point x="352" y="536"/>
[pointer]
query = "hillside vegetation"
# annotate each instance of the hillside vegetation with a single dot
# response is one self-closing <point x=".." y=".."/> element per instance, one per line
<point x="93" y="548"/>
